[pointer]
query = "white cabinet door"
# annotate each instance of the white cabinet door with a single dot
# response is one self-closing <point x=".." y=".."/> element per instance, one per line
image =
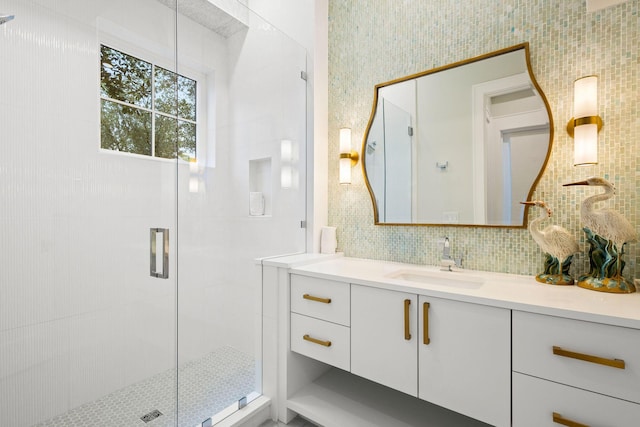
<point x="465" y="358"/>
<point x="384" y="337"/>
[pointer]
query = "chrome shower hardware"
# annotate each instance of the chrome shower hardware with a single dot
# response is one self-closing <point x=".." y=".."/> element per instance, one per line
<point x="4" y="17"/>
<point x="162" y="257"/>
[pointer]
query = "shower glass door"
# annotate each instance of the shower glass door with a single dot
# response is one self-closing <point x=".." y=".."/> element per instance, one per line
<point x="87" y="335"/>
<point x="129" y="127"/>
<point x="241" y="196"/>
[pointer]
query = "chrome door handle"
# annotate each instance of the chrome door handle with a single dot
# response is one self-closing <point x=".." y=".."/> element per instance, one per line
<point x="164" y="274"/>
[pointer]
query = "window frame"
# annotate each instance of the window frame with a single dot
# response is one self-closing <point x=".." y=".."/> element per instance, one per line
<point x="164" y="57"/>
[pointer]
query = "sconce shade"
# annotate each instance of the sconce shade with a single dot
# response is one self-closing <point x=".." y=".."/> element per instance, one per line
<point x="585" y="145"/>
<point x="345" y="171"/>
<point x="348" y="158"/>
<point x="585" y="97"/>
<point x="345" y="140"/>
<point x="586" y="123"/>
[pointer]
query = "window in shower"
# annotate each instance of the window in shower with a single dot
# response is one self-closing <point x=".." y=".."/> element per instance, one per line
<point x="146" y="109"/>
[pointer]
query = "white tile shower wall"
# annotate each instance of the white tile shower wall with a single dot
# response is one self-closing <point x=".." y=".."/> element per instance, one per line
<point x="34" y="369"/>
<point x="79" y="314"/>
<point x="375" y="41"/>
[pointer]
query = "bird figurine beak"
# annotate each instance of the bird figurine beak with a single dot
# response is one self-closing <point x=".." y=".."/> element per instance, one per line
<point x="576" y="183"/>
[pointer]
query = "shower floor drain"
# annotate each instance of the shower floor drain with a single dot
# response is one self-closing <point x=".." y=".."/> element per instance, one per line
<point x="151" y="416"/>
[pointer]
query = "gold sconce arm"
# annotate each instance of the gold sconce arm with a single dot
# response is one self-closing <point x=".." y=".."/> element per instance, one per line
<point x="589" y="120"/>
<point x="352" y="155"/>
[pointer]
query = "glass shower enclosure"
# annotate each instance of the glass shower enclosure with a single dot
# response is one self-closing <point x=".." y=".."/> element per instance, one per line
<point x="150" y="152"/>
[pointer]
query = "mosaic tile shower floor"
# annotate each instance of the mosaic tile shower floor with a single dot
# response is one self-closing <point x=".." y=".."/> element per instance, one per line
<point x="207" y="385"/>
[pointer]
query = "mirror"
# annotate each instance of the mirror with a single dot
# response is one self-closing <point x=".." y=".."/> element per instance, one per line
<point x="461" y="144"/>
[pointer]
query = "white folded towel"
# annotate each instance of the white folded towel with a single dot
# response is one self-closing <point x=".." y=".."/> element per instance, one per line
<point x="328" y="241"/>
<point x="256" y="203"/>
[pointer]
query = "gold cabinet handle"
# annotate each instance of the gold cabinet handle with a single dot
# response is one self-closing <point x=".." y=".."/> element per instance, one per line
<point x="317" y="299"/>
<point x="306" y="337"/>
<point x="559" y="419"/>
<point x="407" y="331"/>
<point x="614" y="363"/>
<point x="425" y="323"/>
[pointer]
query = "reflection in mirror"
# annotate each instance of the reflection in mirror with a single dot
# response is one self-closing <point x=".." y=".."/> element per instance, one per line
<point x="458" y="145"/>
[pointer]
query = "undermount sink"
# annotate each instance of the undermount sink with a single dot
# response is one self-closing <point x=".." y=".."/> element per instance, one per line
<point x="456" y="278"/>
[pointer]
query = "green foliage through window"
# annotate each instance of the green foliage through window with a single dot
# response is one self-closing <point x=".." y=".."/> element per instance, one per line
<point x="146" y="109"/>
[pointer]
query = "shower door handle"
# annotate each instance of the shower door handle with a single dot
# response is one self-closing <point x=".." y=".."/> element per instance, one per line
<point x="164" y="274"/>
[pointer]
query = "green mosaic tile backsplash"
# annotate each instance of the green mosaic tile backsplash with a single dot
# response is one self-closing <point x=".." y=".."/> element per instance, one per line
<point x="374" y="41"/>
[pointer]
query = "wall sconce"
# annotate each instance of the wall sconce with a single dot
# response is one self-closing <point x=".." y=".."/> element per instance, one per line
<point x="348" y="157"/>
<point x="586" y="123"/>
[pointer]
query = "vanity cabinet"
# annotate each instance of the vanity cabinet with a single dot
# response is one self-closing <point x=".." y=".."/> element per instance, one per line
<point x="384" y="337"/>
<point x="464" y="353"/>
<point x="453" y="354"/>
<point x="507" y="353"/>
<point x="574" y="371"/>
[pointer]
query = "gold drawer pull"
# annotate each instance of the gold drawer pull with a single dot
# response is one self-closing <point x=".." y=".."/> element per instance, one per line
<point x="317" y="299"/>
<point x="558" y="419"/>
<point x="407" y="331"/>
<point x="316" y="341"/>
<point x="614" y="363"/>
<point x="425" y="323"/>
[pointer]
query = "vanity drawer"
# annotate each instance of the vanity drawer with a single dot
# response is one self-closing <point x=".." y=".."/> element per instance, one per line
<point x="320" y="340"/>
<point x="535" y="401"/>
<point x="320" y="298"/>
<point x="555" y="348"/>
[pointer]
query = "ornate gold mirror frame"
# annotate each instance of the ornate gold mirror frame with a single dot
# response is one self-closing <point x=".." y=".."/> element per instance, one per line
<point x="384" y="109"/>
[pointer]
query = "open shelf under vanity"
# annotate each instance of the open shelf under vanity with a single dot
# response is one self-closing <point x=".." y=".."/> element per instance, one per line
<point x="339" y="398"/>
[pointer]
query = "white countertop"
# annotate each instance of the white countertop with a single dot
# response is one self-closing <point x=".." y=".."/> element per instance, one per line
<point x="297" y="259"/>
<point x="510" y="291"/>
